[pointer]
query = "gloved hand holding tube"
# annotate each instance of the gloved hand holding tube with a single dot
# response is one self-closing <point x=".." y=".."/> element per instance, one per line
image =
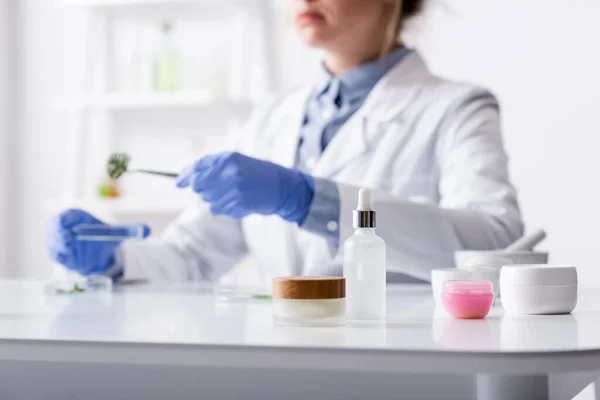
<point x="86" y="257"/>
<point x="237" y="185"/>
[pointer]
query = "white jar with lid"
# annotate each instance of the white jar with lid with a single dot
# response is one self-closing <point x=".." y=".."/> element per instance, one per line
<point x="309" y="301"/>
<point x="538" y="289"/>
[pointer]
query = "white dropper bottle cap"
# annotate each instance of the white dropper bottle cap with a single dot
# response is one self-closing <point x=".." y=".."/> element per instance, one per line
<point x="364" y="216"/>
<point x="364" y="200"/>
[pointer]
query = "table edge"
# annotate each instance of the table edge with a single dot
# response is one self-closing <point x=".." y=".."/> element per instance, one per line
<point x="288" y="357"/>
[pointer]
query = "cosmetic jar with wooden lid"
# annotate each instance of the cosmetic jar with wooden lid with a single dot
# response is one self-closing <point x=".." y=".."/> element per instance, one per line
<point x="309" y="301"/>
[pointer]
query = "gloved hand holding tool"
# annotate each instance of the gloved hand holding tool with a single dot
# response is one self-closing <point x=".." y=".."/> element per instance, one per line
<point x="237" y="185"/>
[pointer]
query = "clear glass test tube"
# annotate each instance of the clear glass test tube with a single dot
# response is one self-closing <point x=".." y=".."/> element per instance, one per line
<point x="107" y="233"/>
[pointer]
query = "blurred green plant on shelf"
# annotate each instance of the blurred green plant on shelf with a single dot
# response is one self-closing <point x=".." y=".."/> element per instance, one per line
<point x="109" y="189"/>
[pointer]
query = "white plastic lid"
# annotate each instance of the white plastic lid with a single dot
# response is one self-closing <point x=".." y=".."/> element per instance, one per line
<point x="468" y="287"/>
<point x="455" y="274"/>
<point x="364" y="200"/>
<point x="538" y="275"/>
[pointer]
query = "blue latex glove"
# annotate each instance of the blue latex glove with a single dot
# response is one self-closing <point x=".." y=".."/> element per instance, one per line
<point x="84" y="257"/>
<point x="236" y="185"/>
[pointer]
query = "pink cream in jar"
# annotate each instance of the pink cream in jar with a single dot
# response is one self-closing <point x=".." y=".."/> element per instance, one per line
<point x="468" y="299"/>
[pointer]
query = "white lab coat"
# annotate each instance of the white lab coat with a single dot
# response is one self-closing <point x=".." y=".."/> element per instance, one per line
<point x="430" y="149"/>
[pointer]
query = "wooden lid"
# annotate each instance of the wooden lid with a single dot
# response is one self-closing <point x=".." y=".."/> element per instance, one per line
<point x="309" y="287"/>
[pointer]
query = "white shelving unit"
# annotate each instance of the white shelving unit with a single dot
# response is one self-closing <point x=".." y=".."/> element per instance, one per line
<point x="121" y="206"/>
<point x="121" y="3"/>
<point x="99" y="16"/>
<point x="140" y="101"/>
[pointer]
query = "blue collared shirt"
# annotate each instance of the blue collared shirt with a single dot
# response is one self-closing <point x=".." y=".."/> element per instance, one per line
<point x="334" y="100"/>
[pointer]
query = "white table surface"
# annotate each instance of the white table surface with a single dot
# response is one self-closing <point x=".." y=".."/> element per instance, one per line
<point x="183" y="325"/>
<point x="187" y="315"/>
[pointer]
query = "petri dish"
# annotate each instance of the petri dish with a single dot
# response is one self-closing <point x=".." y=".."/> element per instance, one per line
<point x="227" y="294"/>
<point x="80" y="285"/>
<point x="107" y="233"/>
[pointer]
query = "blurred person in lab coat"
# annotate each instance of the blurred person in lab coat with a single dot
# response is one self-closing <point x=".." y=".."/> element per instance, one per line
<point x="430" y="149"/>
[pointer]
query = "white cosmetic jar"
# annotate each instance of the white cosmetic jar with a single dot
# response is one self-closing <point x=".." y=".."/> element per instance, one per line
<point x="441" y="275"/>
<point x="309" y="301"/>
<point x="538" y="289"/>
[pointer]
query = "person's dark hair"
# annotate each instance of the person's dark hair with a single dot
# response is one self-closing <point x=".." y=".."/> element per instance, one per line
<point x="411" y="8"/>
<point x="403" y="11"/>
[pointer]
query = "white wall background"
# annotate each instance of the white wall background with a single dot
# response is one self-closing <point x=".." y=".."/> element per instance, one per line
<point x="7" y="127"/>
<point x="42" y="60"/>
<point x="539" y="56"/>
<point x="4" y="99"/>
